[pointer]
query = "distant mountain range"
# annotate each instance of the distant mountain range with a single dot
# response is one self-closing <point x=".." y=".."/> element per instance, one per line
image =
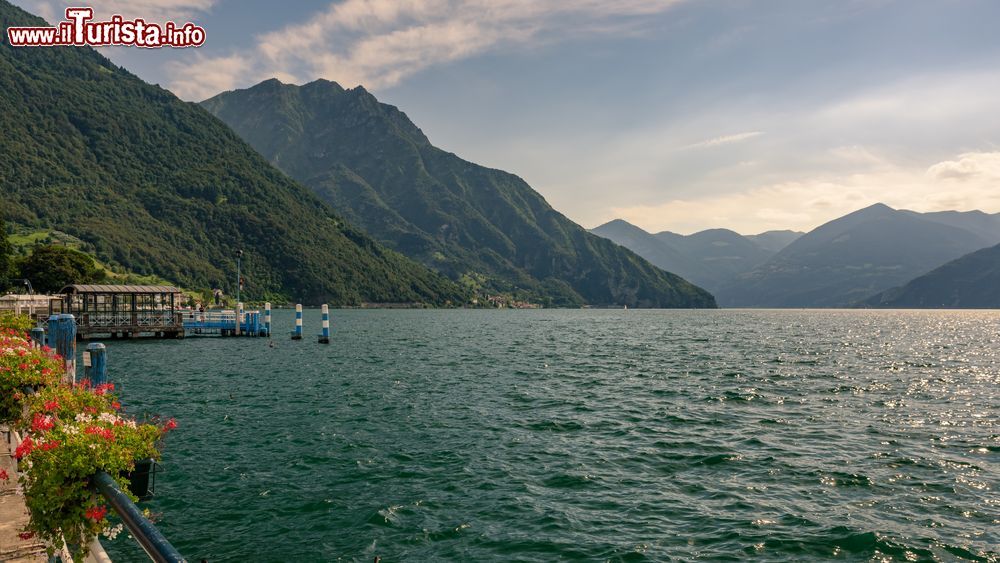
<point x="708" y="258"/>
<point x="485" y="228"/>
<point x="839" y="264"/>
<point x="970" y="282"/>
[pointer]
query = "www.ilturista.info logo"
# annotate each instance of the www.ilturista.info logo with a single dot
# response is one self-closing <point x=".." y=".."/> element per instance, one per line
<point x="79" y="30"/>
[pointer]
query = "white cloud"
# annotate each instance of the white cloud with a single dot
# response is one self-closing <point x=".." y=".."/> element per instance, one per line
<point x="724" y="140"/>
<point x="970" y="181"/>
<point x="156" y="11"/>
<point x="970" y="167"/>
<point x="378" y="43"/>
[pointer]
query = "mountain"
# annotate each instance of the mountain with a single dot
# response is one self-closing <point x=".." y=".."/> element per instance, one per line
<point x="849" y="259"/>
<point x="708" y="258"/>
<point x="721" y="252"/>
<point x="969" y="282"/>
<point x="985" y="225"/>
<point x="484" y="227"/>
<point x="775" y="241"/>
<point x="653" y="248"/>
<point x="159" y="186"/>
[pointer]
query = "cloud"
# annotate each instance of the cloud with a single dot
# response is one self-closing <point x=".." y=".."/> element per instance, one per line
<point x="215" y="74"/>
<point x="724" y="140"/>
<point x="157" y="11"/>
<point x="378" y="43"/>
<point x="970" y="181"/>
<point x="970" y="167"/>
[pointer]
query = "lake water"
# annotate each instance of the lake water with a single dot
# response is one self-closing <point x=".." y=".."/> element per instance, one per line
<point x="585" y="435"/>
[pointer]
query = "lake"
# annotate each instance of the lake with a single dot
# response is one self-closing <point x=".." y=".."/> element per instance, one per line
<point x="589" y="435"/>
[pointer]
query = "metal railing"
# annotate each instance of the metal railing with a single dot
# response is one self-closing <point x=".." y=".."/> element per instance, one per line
<point x="149" y="537"/>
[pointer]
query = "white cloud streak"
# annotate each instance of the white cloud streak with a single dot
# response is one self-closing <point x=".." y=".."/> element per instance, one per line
<point x="378" y="43"/>
<point x="724" y="140"/>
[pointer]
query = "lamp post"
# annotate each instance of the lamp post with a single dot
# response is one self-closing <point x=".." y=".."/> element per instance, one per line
<point x="239" y="275"/>
<point x="31" y="290"/>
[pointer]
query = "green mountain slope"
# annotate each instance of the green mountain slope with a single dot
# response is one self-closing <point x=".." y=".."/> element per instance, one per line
<point x="969" y="282"/>
<point x="847" y="260"/>
<point x="159" y="186"/>
<point x="480" y="225"/>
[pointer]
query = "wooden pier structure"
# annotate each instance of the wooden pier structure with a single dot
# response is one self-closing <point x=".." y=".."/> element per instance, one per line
<point x="124" y="311"/>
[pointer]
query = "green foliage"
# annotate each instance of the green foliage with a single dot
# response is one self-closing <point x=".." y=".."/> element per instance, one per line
<point x="18" y="323"/>
<point x="160" y="187"/>
<point x="454" y="216"/>
<point x="50" y="268"/>
<point x="21" y="366"/>
<point x="6" y="253"/>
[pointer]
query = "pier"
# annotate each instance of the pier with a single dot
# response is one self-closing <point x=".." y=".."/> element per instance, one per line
<point x="123" y="311"/>
<point x="223" y="323"/>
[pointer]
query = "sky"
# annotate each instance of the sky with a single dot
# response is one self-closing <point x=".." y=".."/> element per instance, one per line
<point x="675" y="115"/>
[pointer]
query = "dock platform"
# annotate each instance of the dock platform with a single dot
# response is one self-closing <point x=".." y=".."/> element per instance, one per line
<point x="223" y="323"/>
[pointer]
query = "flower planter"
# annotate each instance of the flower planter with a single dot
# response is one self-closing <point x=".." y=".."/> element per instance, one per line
<point x="142" y="479"/>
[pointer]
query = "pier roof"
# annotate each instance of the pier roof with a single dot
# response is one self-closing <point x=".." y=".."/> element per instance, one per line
<point x="101" y="288"/>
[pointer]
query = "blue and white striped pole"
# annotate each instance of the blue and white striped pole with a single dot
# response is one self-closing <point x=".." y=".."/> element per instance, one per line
<point x="324" y="337"/>
<point x="297" y="335"/>
<point x="267" y="319"/>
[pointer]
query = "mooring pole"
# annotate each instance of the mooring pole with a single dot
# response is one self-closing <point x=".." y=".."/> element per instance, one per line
<point x="66" y="345"/>
<point x="324" y="337"/>
<point x="53" y="330"/>
<point x="95" y="363"/>
<point x="297" y="335"/>
<point x="38" y="337"/>
<point x="267" y="319"/>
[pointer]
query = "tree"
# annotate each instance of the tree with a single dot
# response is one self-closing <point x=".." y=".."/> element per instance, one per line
<point x="6" y="253"/>
<point x="50" y="268"/>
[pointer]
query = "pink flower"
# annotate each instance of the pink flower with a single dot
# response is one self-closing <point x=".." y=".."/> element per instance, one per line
<point x="170" y="425"/>
<point x="51" y="405"/>
<point x="3" y="475"/>
<point x="26" y="535"/>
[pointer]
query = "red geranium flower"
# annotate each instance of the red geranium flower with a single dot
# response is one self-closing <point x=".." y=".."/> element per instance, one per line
<point x="24" y="448"/>
<point x="96" y="512"/>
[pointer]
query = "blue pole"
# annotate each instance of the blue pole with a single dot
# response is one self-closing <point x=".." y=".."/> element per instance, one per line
<point x="53" y="330"/>
<point x="96" y="369"/>
<point x="38" y="336"/>
<point x="324" y="337"/>
<point x="66" y="345"/>
<point x="297" y="335"/>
